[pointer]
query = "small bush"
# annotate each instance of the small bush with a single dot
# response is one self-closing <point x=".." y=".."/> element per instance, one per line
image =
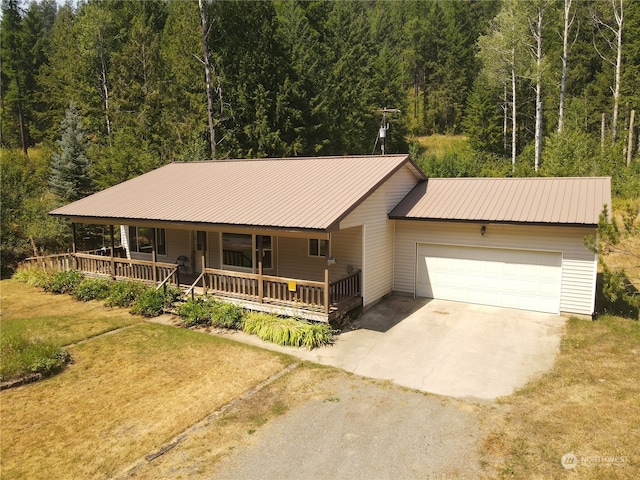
<point x="287" y="331"/>
<point x="33" y="275"/>
<point x="64" y="282"/>
<point x="93" y="289"/>
<point x="22" y="356"/>
<point x="124" y="294"/>
<point x="195" y="311"/>
<point x="150" y="303"/>
<point x="226" y="315"/>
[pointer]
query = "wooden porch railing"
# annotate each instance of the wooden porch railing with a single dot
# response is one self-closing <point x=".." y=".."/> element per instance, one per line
<point x="345" y="288"/>
<point x="291" y="292"/>
<point x="142" y="270"/>
<point x="306" y="294"/>
<point x="63" y="261"/>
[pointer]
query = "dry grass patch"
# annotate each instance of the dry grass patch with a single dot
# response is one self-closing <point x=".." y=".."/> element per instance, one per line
<point x="198" y="456"/>
<point x="126" y="395"/>
<point x="588" y="405"/>
<point x="438" y="144"/>
<point x="56" y="318"/>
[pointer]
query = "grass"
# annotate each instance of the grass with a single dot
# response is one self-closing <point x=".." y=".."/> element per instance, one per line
<point x="55" y="318"/>
<point x="127" y="393"/>
<point x="588" y="405"/>
<point x="199" y="454"/>
<point x="438" y="145"/>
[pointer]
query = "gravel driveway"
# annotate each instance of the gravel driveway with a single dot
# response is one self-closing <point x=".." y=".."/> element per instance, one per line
<point x="364" y="429"/>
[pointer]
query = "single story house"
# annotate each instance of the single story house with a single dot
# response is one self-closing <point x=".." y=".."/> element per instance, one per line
<point x="318" y="236"/>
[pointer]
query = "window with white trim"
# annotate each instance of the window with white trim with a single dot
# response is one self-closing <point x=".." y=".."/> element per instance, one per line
<point x="141" y="240"/>
<point x="317" y="247"/>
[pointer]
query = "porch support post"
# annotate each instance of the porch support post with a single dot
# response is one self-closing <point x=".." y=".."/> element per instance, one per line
<point x="204" y="261"/>
<point x="260" y="284"/>
<point x="153" y="257"/>
<point x="112" y="242"/>
<point x="326" y="275"/>
<point x="73" y="237"/>
<point x="73" y="246"/>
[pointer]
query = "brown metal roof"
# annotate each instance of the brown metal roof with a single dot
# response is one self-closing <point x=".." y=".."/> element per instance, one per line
<point x="296" y="193"/>
<point x="575" y="201"/>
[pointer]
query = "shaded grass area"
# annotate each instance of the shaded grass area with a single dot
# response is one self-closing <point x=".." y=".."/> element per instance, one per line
<point x="125" y="395"/>
<point x="58" y="319"/>
<point x="588" y="405"/>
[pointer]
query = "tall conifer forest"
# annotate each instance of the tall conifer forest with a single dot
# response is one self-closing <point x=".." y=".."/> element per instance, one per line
<point x="115" y="88"/>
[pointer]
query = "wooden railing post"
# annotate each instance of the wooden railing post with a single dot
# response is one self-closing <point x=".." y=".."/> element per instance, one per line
<point x="153" y="257"/>
<point x="260" y="284"/>
<point x="326" y="289"/>
<point x="113" y="263"/>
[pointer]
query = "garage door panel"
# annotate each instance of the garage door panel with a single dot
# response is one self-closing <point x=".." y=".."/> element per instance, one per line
<point x="521" y="279"/>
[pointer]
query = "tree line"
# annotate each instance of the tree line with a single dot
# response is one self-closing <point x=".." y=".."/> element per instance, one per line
<point x="106" y="90"/>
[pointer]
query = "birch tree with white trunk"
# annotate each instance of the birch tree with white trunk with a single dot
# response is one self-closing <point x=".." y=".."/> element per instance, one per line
<point x="610" y="24"/>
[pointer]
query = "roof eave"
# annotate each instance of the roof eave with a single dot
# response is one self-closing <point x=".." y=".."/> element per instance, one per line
<point x="187" y="225"/>
<point x="493" y="222"/>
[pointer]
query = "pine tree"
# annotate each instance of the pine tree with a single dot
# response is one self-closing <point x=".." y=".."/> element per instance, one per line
<point x="70" y="168"/>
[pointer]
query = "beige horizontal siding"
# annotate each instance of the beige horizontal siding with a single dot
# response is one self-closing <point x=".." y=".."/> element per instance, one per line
<point x="378" y="235"/>
<point x="295" y="262"/>
<point x="578" y="265"/>
<point x="346" y="248"/>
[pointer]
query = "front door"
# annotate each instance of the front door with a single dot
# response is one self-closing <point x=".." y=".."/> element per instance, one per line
<point x="199" y="250"/>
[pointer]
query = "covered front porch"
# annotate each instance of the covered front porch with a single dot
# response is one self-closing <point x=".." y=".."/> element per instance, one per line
<point x="287" y="273"/>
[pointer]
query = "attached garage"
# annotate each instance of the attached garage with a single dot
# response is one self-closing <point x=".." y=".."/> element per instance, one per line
<point x="515" y="243"/>
<point x="523" y="279"/>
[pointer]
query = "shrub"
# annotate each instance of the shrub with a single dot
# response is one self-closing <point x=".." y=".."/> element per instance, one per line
<point x="64" y="282"/>
<point x="150" y="303"/>
<point x="33" y="275"/>
<point x="287" y="331"/>
<point x="195" y="311"/>
<point x="93" y="289"/>
<point x="226" y="315"/>
<point x="22" y="356"/>
<point x="123" y="294"/>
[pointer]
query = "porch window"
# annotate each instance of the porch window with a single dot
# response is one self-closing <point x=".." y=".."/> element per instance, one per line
<point x="236" y="250"/>
<point x="317" y="247"/>
<point x="267" y="257"/>
<point x="141" y="240"/>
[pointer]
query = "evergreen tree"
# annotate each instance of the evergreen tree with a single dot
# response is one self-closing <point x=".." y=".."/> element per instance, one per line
<point x="70" y="167"/>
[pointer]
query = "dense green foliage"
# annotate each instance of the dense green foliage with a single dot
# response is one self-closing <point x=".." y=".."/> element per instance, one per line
<point x="93" y="289"/>
<point x="209" y="311"/>
<point x="23" y="356"/>
<point x="107" y="90"/>
<point x="64" y="282"/>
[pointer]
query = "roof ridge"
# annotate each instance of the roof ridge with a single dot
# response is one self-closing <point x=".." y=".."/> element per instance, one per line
<point x="265" y="159"/>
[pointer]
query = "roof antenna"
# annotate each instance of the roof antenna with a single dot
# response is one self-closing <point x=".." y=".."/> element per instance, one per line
<point x="384" y="126"/>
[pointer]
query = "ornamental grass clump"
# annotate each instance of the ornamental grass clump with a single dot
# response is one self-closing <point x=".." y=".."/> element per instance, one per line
<point x="33" y="275"/>
<point x="287" y="331"/>
<point x="23" y="356"/>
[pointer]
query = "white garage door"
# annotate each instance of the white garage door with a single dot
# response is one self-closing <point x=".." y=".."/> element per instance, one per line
<point x="524" y="279"/>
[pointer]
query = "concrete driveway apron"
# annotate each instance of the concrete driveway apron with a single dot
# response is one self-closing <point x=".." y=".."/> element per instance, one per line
<point x="448" y="348"/>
